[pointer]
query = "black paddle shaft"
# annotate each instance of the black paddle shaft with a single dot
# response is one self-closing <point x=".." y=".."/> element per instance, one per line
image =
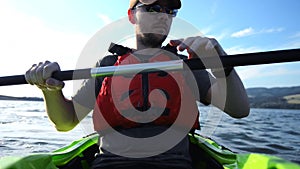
<point x="62" y="75"/>
<point x="279" y="56"/>
<point x="246" y="59"/>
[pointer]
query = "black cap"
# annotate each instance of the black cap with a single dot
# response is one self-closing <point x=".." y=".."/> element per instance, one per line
<point x="173" y="4"/>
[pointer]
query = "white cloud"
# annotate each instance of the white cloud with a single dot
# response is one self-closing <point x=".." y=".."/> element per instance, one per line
<point x="251" y="31"/>
<point x="271" y="30"/>
<point x="220" y="36"/>
<point x="205" y="30"/>
<point x="252" y="73"/>
<point x="104" y="18"/>
<point x="243" y="33"/>
<point x="249" y="72"/>
<point x="266" y="71"/>
<point x="294" y="42"/>
<point x="256" y="71"/>
<point x="238" y="50"/>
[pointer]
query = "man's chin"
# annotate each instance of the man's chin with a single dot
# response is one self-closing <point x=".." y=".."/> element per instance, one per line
<point x="153" y="39"/>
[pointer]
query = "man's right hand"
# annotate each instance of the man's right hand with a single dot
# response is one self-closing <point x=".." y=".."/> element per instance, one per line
<point x="40" y="75"/>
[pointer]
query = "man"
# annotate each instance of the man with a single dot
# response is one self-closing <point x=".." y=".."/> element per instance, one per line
<point x="152" y="20"/>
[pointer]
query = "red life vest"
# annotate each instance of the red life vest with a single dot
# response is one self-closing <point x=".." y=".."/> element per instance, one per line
<point x="127" y="94"/>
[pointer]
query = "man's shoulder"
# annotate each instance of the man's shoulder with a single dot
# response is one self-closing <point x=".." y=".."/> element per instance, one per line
<point x="108" y="60"/>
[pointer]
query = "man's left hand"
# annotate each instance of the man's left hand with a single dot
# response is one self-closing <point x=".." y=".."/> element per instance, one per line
<point x="199" y="47"/>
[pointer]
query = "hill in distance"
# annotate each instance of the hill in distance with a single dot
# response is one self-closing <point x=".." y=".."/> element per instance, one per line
<point x="260" y="97"/>
<point x="2" y="97"/>
<point x="278" y="97"/>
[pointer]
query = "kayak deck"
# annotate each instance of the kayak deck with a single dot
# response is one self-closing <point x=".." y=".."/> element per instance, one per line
<point x="205" y="153"/>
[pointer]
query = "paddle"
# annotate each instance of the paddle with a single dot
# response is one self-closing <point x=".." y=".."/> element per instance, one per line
<point x="258" y="58"/>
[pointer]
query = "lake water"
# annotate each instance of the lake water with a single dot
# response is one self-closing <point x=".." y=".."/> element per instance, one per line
<point x="25" y="128"/>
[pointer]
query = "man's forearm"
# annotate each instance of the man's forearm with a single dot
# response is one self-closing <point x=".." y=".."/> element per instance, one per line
<point x="230" y="95"/>
<point x="60" y="110"/>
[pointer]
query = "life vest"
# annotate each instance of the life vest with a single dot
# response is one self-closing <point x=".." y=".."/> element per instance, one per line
<point x="124" y="99"/>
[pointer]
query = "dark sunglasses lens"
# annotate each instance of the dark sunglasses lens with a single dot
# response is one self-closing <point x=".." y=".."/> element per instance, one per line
<point x="158" y="8"/>
<point x="155" y="8"/>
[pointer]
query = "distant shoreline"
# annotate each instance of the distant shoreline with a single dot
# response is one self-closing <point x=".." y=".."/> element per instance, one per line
<point x="2" y="97"/>
<point x="277" y="98"/>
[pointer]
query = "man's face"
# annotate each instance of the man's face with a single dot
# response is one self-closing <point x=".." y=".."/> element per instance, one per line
<point x="152" y="27"/>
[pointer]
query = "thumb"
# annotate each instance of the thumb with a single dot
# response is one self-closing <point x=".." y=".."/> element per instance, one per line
<point x="175" y="42"/>
<point x="53" y="84"/>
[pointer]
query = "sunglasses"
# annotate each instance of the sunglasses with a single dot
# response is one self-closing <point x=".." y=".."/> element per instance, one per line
<point x="158" y="9"/>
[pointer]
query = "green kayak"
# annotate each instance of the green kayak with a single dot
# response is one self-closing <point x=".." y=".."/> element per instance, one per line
<point x="205" y="153"/>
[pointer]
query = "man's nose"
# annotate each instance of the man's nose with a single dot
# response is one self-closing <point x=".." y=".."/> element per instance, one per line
<point x="163" y="16"/>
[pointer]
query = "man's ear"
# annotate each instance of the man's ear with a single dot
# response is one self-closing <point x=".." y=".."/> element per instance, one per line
<point x="131" y="16"/>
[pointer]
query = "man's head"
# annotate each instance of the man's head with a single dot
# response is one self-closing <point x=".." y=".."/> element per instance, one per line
<point x="152" y="19"/>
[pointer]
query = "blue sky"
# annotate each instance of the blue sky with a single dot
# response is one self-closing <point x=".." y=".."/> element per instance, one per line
<point x="57" y="30"/>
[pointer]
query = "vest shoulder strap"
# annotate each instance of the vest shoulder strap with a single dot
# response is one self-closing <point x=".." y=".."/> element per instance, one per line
<point x="118" y="49"/>
<point x="122" y="50"/>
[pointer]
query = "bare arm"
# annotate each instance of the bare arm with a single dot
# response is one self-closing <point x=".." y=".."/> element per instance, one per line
<point x="229" y="95"/>
<point x="60" y="110"/>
